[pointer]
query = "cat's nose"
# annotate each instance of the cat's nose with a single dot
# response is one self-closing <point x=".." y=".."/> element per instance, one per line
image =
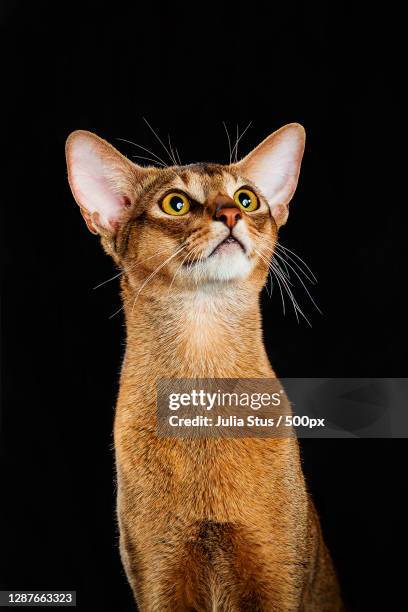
<point x="228" y="214"/>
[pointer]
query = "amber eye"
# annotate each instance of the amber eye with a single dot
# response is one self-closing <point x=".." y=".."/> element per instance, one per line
<point x="246" y="199"/>
<point x="176" y="204"/>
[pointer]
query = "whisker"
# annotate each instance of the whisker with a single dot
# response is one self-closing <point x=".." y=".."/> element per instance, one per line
<point x="135" y="144"/>
<point x="159" y="139"/>
<point x="229" y="142"/>
<point x="130" y="269"/>
<point x="294" y="301"/>
<point x="285" y="272"/>
<point x="149" y="159"/>
<point x="285" y="258"/>
<point x="172" y="152"/>
<point x="269" y="273"/>
<point x="277" y="256"/>
<point x="280" y="277"/>
<point x="303" y="284"/>
<point x="280" y="246"/>
<point x="283" y="264"/>
<point x="270" y="276"/>
<point x="281" y="292"/>
<point x="109" y="280"/>
<point x="290" y="293"/>
<point x="271" y="254"/>
<point x="235" y="145"/>
<point x="300" y="269"/>
<point x="266" y="286"/>
<point x="197" y="261"/>
<point x="178" y="157"/>
<point x="116" y="312"/>
<point x="199" y="269"/>
<point x="238" y="141"/>
<point x="272" y="251"/>
<point x="177" y="271"/>
<point x="156" y="271"/>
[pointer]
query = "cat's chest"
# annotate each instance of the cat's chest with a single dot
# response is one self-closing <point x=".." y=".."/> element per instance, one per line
<point x="197" y="334"/>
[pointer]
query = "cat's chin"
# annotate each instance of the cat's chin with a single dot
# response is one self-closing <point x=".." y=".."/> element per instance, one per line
<point x="225" y="264"/>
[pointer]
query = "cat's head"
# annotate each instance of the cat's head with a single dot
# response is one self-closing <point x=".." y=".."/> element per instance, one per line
<point x="183" y="226"/>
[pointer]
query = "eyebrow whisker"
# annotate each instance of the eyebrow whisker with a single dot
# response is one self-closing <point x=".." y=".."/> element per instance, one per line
<point x="238" y="141"/>
<point x="172" y="151"/>
<point x="159" y="139"/>
<point x="150" y="159"/>
<point x="135" y="144"/>
<point x="229" y="142"/>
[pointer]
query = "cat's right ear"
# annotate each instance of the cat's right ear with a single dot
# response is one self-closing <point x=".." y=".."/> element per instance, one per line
<point x="274" y="167"/>
<point x="102" y="180"/>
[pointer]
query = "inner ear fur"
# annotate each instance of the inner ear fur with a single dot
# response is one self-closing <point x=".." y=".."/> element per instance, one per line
<point x="274" y="167"/>
<point x="102" y="180"/>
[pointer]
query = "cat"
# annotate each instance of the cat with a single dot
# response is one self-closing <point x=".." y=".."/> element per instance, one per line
<point x="220" y="524"/>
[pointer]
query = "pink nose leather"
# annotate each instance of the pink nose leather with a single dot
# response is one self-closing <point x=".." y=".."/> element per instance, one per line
<point x="230" y="215"/>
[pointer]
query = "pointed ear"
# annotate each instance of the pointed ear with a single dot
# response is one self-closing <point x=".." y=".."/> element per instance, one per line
<point x="274" y="167"/>
<point x="102" y="180"/>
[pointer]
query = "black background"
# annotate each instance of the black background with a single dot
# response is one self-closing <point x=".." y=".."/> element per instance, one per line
<point x="187" y="69"/>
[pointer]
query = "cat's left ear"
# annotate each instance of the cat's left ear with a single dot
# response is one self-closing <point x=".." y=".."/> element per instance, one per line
<point x="274" y="166"/>
<point x="102" y="180"/>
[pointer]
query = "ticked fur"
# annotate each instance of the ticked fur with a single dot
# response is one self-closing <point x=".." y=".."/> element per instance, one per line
<point x="205" y="524"/>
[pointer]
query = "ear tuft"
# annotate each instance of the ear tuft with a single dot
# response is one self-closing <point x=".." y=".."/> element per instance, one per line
<point x="274" y="166"/>
<point x="102" y="180"/>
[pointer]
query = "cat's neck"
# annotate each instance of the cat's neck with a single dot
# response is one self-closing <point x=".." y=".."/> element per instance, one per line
<point x="213" y="332"/>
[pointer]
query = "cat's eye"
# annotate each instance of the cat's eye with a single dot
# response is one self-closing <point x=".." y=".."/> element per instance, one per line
<point x="176" y="203"/>
<point x="246" y="199"/>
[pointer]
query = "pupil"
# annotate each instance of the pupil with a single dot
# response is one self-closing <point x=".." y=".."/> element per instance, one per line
<point x="176" y="203"/>
<point x="244" y="199"/>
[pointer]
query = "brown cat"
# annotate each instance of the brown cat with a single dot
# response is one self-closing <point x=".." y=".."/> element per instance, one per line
<point x="205" y="524"/>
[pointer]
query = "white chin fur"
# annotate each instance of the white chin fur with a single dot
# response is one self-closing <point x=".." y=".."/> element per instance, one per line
<point x="223" y="267"/>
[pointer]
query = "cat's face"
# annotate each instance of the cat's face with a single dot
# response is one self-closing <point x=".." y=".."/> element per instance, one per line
<point x="206" y="220"/>
<point x="187" y="226"/>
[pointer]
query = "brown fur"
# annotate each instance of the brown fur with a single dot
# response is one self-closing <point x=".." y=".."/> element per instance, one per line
<point x="205" y="524"/>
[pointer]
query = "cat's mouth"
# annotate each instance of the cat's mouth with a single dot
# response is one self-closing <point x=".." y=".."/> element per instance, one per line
<point x="229" y="244"/>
